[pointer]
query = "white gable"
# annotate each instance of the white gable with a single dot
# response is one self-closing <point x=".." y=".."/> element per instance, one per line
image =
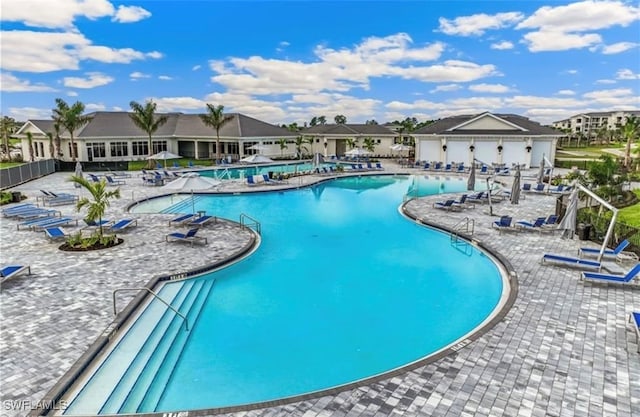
<point x="487" y="122"/>
<point x="29" y="127"/>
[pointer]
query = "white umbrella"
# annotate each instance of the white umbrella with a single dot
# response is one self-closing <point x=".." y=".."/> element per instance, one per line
<point x="164" y="155"/>
<point x="357" y="152"/>
<point x="258" y="147"/>
<point x="318" y="159"/>
<point x="192" y="181"/>
<point x="568" y="222"/>
<point x="471" y="181"/>
<point x="256" y="159"/>
<point x="515" y="187"/>
<point x="78" y="173"/>
<point x="400" y="147"/>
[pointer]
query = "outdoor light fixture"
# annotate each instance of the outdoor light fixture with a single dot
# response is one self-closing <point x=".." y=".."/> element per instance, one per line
<point x="499" y="148"/>
<point x="528" y="148"/>
<point x="472" y="148"/>
<point x="444" y="148"/>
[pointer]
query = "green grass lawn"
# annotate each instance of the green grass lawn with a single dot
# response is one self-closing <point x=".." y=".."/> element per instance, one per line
<point x="630" y="215"/>
<point x="10" y="164"/>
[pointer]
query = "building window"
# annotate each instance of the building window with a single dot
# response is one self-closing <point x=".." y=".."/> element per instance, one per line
<point x="159" y="146"/>
<point x="119" y="149"/>
<point x="41" y="148"/>
<point x="140" y="148"/>
<point x="73" y="152"/>
<point x="233" y="148"/>
<point x="96" y="150"/>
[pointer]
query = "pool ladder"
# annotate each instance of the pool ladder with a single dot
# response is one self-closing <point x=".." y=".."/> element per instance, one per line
<point x="467" y="226"/>
<point x="249" y="222"/>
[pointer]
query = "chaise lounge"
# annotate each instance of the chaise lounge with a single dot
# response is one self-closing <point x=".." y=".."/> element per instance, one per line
<point x="11" y="271"/>
<point x="571" y="261"/>
<point x="190" y="236"/>
<point x="634" y="318"/>
<point x="628" y="279"/>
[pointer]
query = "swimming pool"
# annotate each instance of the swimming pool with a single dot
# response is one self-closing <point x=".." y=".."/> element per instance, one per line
<point x="342" y="288"/>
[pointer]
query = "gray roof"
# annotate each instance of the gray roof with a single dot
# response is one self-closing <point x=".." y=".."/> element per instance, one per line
<point x="348" y="129"/>
<point x="527" y="127"/>
<point x="119" y="124"/>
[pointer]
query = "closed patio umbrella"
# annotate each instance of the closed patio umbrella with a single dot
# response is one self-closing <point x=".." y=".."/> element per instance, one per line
<point x="78" y="173"/>
<point x="471" y="182"/>
<point x="540" y="177"/>
<point x="568" y="222"/>
<point x="515" y="187"/>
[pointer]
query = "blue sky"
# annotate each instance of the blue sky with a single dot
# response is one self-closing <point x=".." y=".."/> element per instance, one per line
<point x="288" y="61"/>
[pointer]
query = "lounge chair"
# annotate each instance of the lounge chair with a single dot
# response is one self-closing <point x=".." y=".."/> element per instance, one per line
<point x="535" y="226"/>
<point x="526" y="187"/>
<point x="504" y="224"/>
<point x="182" y="219"/>
<point x="55" y="233"/>
<point x="484" y="170"/>
<point x="379" y="166"/>
<point x="123" y="224"/>
<point x="628" y="278"/>
<point x="634" y="318"/>
<point x="251" y="181"/>
<point x="11" y="271"/>
<point x="446" y="205"/>
<point x="607" y="252"/>
<point x="190" y="236"/>
<point x="463" y="202"/>
<point x="570" y="261"/>
<point x="93" y="178"/>
<point x="269" y="181"/>
<point x="201" y="221"/>
<point x="96" y="223"/>
<point x="54" y="222"/>
<point x="114" y="182"/>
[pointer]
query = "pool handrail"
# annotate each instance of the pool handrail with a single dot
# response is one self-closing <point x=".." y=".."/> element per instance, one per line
<point x="115" y="311"/>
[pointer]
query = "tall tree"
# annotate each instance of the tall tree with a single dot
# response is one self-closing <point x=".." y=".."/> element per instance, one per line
<point x="371" y="122"/>
<point x="56" y="139"/>
<point x="145" y="118"/>
<point x="369" y="144"/>
<point x="340" y="119"/>
<point x="30" y="145"/>
<point x="71" y="118"/>
<point x="314" y="121"/>
<point x="52" y="148"/>
<point x="352" y="143"/>
<point x="630" y="131"/>
<point x="322" y="120"/>
<point x="215" y="118"/>
<point x="300" y="141"/>
<point x="8" y="126"/>
<point x="283" y="145"/>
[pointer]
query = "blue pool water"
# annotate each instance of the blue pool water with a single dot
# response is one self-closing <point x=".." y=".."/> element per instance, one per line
<point x="342" y="288"/>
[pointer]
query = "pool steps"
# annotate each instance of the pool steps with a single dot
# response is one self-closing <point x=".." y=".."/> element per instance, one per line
<point x="148" y="341"/>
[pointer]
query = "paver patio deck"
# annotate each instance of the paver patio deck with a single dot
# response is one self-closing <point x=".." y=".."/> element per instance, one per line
<point x="564" y="349"/>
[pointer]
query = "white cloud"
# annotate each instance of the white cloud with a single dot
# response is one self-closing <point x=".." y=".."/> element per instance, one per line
<point x="566" y="93"/>
<point x="489" y="88"/>
<point x="344" y="69"/>
<point x="172" y="104"/>
<point x="130" y="14"/>
<point x="26" y="113"/>
<point x="553" y="40"/>
<point x="136" y="75"/>
<point x="61" y="14"/>
<point x="29" y="51"/>
<point x="477" y="24"/>
<point x="93" y="79"/>
<point x="164" y="78"/>
<point x="90" y="107"/>
<point x="538" y="101"/>
<point x="562" y="27"/>
<point x="627" y="74"/>
<point x="619" y="47"/>
<point x="11" y="83"/>
<point x="72" y="94"/>
<point x="446" y="87"/>
<point x="196" y="67"/>
<point x="604" y="81"/>
<point x="501" y="46"/>
<point x="612" y="97"/>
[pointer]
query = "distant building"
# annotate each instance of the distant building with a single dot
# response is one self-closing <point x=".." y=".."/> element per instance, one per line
<point x="112" y="136"/>
<point x="331" y="139"/>
<point x="491" y="138"/>
<point x="590" y="123"/>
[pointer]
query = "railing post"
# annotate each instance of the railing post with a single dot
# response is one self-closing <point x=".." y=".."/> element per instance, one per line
<point x="186" y="322"/>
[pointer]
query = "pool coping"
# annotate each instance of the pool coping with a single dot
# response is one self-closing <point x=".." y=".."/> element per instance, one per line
<point x="62" y="386"/>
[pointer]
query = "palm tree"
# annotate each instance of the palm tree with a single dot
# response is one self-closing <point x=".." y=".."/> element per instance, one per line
<point x="8" y="126"/>
<point x="71" y="118"/>
<point x="56" y="131"/>
<point x="322" y="120"/>
<point x="340" y="119"/>
<point x="144" y="117"/>
<point x="352" y="143"/>
<point x="30" y="144"/>
<point x="369" y="144"/>
<point x="630" y="131"/>
<point x="216" y="118"/>
<point x="283" y="145"/>
<point x="51" y="147"/>
<point x="300" y="141"/>
<point x="101" y="196"/>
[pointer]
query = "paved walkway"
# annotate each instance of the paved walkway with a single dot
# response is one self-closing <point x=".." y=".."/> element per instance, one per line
<point x="564" y="349"/>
